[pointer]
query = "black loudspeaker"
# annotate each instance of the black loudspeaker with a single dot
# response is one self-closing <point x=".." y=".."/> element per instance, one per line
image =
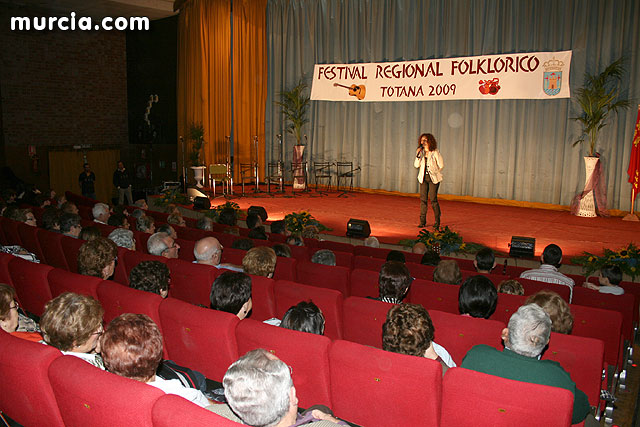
<point x="200" y="203"/>
<point x="258" y="210"/>
<point x="358" y="228"/>
<point x="523" y="247"/>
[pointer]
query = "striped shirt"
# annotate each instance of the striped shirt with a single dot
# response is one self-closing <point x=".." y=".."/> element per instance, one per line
<point x="549" y="274"/>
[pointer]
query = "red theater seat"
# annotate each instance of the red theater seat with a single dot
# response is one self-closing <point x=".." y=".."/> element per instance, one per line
<point x="335" y="246"/>
<point x="71" y="247"/>
<point x="501" y="402"/>
<point x="624" y="304"/>
<point x="133" y="258"/>
<point x="262" y="297"/>
<point x="11" y="231"/>
<point x="605" y="325"/>
<point x="117" y="299"/>
<point x="5" y="275"/>
<point x="364" y="283"/>
<point x="51" y="244"/>
<point x="285" y="269"/>
<point x="29" y="238"/>
<point x="171" y="410"/>
<point x="363" y="319"/>
<point x="507" y="305"/>
<point x="301" y="253"/>
<point x="434" y="296"/>
<point x="186" y="249"/>
<point x="232" y="256"/>
<point x="141" y="241"/>
<point x="307" y="354"/>
<point x="323" y="276"/>
<point x="368" y="263"/>
<point x="31" y="284"/>
<point x="369" y="385"/>
<point x="371" y="252"/>
<point x="120" y="273"/>
<point x="61" y="281"/>
<point x="533" y="286"/>
<point x="191" y="282"/>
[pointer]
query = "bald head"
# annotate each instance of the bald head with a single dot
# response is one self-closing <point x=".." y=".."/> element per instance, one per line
<point x="419" y="248"/>
<point x="208" y="251"/>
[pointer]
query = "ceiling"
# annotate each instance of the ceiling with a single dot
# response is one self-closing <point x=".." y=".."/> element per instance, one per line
<point x="153" y="9"/>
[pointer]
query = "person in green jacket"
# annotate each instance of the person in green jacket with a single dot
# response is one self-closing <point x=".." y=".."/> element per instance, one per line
<point x="525" y="339"/>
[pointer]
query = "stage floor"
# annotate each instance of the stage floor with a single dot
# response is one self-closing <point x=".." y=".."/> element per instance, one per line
<point x="393" y="218"/>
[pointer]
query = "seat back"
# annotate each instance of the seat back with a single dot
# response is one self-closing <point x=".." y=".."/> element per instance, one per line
<point x="232" y="256"/>
<point x="186" y="249"/>
<point x="191" y="282"/>
<point x="26" y="394"/>
<point x="71" y="247"/>
<point x="364" y="283"/>
<point x="625" y="304"/>
<point x="307" y="354"/>
<point x="171" y="410"/>
<point x="3" y="238"/>
<point x="192" y="234"/>
<point x="288" y="294"/>
<point x="120" y="272"/>
<point x="61" y="281"/>
<point x="363" y="319"/>
<point x="362" y="378"/>
<point x="141" y="241"/>
<point x="502" y="402"/>
<point x="87" y="395"/>
<point x="368" y="263"/>
<point x="5" y="275"/>
<point x="324" y="276"/>
<point x="31" y="284"/>
<point x="264" y="306"/>
<point x="200" y="338"/>
<point x="371" y="252"/>
<point x="459" y="333"/>
<point x="533" y="286"/>
<point x="434" y="296"/>
<point x="29" y="237"/>
<point x="11" y="232"/>
<point x="285" y="269"/>
<point x="507" y="305"/>
<point x="605" y="325"/>
<point x="117" y="299"/>
<point x="133" y="258"/>
<point x="301" y="253"/>
<point x="335" y="246"/>
<point x="51" y="245"/>
<point x="419" y="271"/>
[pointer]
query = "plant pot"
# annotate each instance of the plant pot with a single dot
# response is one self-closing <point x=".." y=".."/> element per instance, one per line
<point x="298" y="172"/>
<point x="587" y="207"/>
<point x="198" y="175"/>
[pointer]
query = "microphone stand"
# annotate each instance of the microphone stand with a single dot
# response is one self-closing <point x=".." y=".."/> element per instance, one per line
<point x="184" y="168"/>
<point x="255" y="164"/>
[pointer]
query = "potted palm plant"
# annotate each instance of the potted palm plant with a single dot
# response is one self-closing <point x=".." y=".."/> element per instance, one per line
<point x="196" y="134"/>
<point x="598" y="98"/>
<point x="295" y="108"/>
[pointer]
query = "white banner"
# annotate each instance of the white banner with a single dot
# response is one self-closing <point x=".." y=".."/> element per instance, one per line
<point x="536" y="75"/>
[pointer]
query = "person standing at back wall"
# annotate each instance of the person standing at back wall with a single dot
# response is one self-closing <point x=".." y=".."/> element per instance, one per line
<point x="429" y="163"/>
<point x="122" y="181"/>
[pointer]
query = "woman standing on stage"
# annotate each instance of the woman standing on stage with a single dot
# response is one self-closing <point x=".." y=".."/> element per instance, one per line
<point x="430" y="164"/>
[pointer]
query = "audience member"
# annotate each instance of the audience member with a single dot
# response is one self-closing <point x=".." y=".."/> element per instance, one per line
<point x="609" y="280"/>
<point x="419" y="248"/>
<point x="70" y="225"/>
<point x="41" y="201"/>
<point x="243" y="244"/>
<point x="324" y="257"/>
<point x="231" y="293"/>
<point x="310" y="232"/>
<point x="448" y="272"/>
<point x="121" y="210"/>
<point x="168" y="229"/>
<point x="253" y="221"/>
<point x="228" y="216"/>
<point x="123" y="238"/>
<point x="409" y="330"/>
<point x="485" y="261"/>
<point x="151" y="276"/>
<point x="394" y="255"/>
<point x="279" y="227"/>
<point x="525" y="338"/>
<point x="558" y="310"/>
<point x="10" y="316"/>
<point x="260" y="261"/>
<point x="477" y="297"/>
<point x="550" y="261"/>
<point x="69" y="207"/>
<point x="51" y="219"/>
<point x="145" y="224"/>
<point x="72" y="323"/>
<point x="177" y="220"/>
<point x="118" y="220"/>
<point x="89" y="233"/>
<point x="132" y="348"/>
<point x="21" y="215"/>
<point x="172" y="209"/>
<point x="372" y="242"/>
<point x="208" y="251"/>
<point x="294" y="240"/>
<point x="234" y="231"/>
<point x="430" y="257"/>
<point x="142" y="204"/>
<point x="161" y="244"/>
<point x="393" y="282"/>
<point x="205" y="223"/>
<point x="97" y="258"/>
<point x="101" y="213"/>
<point x="258" y="233"/>
<point x="282" y="250"/>
<point x="304" y="317"/>
<point x="260" y="392"/>
<point x="137" y="214"/>
<point x="511" y="286"/>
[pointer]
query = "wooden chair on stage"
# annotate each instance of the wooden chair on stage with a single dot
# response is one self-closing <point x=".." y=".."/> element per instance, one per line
<point x="249" y="172"/>
<point x="221" y="172"/>
<point x="299" y="175"/>
<point x="275" y="174"/>
<point x="322" y="170"/>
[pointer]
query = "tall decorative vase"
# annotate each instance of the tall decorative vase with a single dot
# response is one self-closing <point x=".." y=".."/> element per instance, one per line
<point x="587" y="204"/>
<point x="298" y="172"/>
<point x="198" y="175"/>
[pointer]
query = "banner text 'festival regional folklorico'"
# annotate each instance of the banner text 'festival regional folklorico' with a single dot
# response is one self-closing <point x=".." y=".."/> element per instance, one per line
<point x="535" y="75"/>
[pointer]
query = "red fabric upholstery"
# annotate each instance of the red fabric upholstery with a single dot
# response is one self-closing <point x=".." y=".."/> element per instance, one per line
<point x="85" y="212"/>
<point x="501" y="402"/>
<point x="191" y="282"/>
<point x="369" y="385"/>
<point x="277" y="238"/>
<point x="464" y="264"/>
<point x="371" y="252"/>
<point x="193" y="234"/>
<point x="171" y="411"/>
<point x="3" y="238"/>
<point x="604" y="325"/>
<point x="232" y="256"/>
<point x="364" y="283"/>
<point x="79" y="200"/>
<point x="459" y="333"/>
<point x="412" y="258"/>
<point x="117" y="299"/>
<point x="285" y="269"/>
<point x="422" y="272"/>
<point x="343" y="259"/>
<point x="582" y="358"/>
<point x="307" y="354"/>
<point x="363" y="319"/>
<point x="61" y="281"/>
<point x="324" y="276"/>
<point x="533" y="286"/>
<point x="368" y="263"/>
<point x="30" y="282"/>
<point x="186" y="249"/>
<point x="225" y="239"/>
<point x="301" y="253"/>
<point x="105" y="229"/>
<point x="434" y="296"/>
<point x="200" y="338"/>
<point x="120" y="273"/>
<point x="26" y="394"/>
<point x="87" y="395"/>
<point x="71" y="247"/>
<point x="264" y="306"/>
<point x="51" y="244"/>
<point x="11" y="232"/>
<point x="622" y="303"/>
<point x="5" y="275"/>
<point x="335" y="246"/>
<point x="133" y="258"/>
<point x="29" y="238"/>
<point x="141" y="241"/>
<point x="288" y="294"/>
<point x="507" y="305"/>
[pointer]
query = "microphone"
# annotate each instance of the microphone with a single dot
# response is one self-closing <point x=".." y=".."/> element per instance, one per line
<point x="504" y="269"/>
<point x="279" y="136"/>
<point x="420" y="153"/>
<point x="181" y="139"/>
<point x="305" y="138"/>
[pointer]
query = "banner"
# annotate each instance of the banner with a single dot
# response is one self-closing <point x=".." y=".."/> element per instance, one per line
<point x="634" y="159"/>
<point x="535" y="75"/>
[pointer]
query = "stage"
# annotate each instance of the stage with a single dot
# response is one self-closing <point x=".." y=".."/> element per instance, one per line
<point x="395" y="217"/>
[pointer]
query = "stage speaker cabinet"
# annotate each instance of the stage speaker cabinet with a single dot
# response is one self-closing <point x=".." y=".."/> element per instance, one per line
<point x="358" y="228"/>
<point x="522" y="247"/>
<point x="260" y="211"/>
<point x="201" y="203"/>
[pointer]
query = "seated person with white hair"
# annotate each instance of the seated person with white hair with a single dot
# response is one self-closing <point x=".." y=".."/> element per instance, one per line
<point x="101" y="213"/>
<point x="260" y="392"/>
<point x="166" y="228"/>
<point x="123" y="238"/>
<point x="524" y="340"/>
<point x="324" y="257"/>
<point x="231" y="293"/>
<point x="205" y="223"/>
<point x="372" y="242"/>
<point x="161" y="244"/>
<point x="145" y="224"/>
<point x="142" y="204"/>
<point x="208" y="251"/>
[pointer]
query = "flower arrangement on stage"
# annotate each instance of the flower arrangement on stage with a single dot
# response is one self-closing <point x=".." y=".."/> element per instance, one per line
<point x="443" y="240"/>
<point x="627" y="258"/>
<point x="297" y="221"/>
<point x="215" y="212"/>
<point x="172" y="196"/>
